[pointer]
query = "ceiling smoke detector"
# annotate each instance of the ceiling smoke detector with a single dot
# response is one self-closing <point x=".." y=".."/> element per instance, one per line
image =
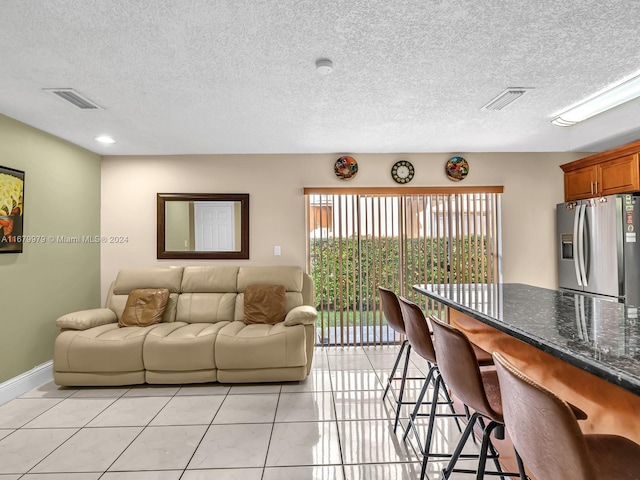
<point x="71" y="96"/>
<point x="324" y="66"/>
<point x="505" y="98"/>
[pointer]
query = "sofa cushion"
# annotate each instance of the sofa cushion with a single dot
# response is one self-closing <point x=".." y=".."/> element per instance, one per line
<point x="209" y="280"/>
<point x="106" y="349"/>
<point x="264" y="304"/>
<point x="148" y="277"/>
<point x="240" y="346"/>
<point x="293" y="299"/>
<point x="144" y="307"/>
<point x="290" y="277"/>
<point x="206" y="307"/>
<point x="118" y="302"/>
<point x="181" y="346"/>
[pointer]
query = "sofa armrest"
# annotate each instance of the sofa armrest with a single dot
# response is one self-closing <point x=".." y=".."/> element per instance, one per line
<point x="302" y="315"/>
<point x="85" y="319"/>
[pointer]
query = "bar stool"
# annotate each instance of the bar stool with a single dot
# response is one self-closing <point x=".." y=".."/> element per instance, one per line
<point x="479" y="390"/>
<point x="545" y="431"/>
<point x="393" y="315"/>
<point x="419" y="336"/>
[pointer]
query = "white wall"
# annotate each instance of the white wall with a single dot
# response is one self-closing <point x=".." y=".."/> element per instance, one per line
<point x="533" y="185"/>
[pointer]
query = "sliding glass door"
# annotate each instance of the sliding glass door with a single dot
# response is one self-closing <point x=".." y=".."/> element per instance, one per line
<point x="359" y="239"/>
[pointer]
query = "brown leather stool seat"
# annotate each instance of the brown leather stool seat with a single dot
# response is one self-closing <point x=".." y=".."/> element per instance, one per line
<point x="393" y="315"/>
<point x="546" y="434"/>
<point x="478" y="389"/>
<point x="419" y="335"/>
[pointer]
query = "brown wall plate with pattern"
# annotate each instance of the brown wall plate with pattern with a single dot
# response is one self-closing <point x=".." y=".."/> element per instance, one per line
<point x="456" y="169"/>
<point x="346" y="168"/>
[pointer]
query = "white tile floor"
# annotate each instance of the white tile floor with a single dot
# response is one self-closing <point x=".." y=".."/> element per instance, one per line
<point x="332" y="426"/>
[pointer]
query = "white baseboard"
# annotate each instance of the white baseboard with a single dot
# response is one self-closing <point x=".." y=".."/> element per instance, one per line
<point x="16" y="386"/>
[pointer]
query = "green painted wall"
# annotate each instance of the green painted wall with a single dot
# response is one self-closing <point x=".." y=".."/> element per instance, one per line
<point x="61" y="199"/>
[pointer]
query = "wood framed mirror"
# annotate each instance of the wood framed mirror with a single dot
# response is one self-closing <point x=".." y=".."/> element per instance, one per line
<point x="203" y="225"/>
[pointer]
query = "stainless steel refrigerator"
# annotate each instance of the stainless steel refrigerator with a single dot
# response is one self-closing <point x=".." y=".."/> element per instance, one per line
<point x="599" y="248"/>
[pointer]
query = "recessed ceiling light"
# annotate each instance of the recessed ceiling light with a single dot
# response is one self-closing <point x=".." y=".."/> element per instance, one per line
<point x="324" y="66"/>
<point x="105" y="139"/>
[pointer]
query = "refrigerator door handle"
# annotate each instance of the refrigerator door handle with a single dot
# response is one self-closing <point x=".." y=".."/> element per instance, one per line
<point x="581" y="234"/>
<point x="576" y="245"/>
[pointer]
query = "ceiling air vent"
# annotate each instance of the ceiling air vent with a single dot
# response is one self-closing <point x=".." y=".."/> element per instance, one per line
<point x="506" y="98"/>
<point x="71" y="96"/>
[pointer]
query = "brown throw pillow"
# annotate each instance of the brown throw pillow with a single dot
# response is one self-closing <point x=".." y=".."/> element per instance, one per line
<point x="144" y="307"/>
<point x="264" y="304"/>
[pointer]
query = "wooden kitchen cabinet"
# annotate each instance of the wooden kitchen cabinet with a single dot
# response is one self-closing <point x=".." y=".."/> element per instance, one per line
<point x="620" y="175"/>
<point x="606" y="173"/>
<point x="579" y="184"/>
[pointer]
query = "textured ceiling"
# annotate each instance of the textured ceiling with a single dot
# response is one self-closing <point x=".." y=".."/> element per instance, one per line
<point x="238" y="76"/>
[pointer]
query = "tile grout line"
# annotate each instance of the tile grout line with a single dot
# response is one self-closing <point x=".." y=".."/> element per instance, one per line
<point x="226" y="395"/>
<point x="335" y="414"/>
<point x="273" y="426"/>
<point x="79" y="429"/>
<point x="143" y="428"/>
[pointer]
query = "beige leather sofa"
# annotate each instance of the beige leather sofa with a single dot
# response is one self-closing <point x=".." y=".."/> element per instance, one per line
<point x="202" y="336"/>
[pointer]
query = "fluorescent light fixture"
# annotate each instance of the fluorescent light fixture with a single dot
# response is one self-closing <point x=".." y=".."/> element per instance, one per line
<point x="612" y="97"/>
<point x="105" y="139"/>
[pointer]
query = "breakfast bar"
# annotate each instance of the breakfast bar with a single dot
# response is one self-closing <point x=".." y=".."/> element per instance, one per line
<point x="583" y="348"/>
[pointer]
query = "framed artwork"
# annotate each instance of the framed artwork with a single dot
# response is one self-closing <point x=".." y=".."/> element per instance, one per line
<point x="11" y="209"/>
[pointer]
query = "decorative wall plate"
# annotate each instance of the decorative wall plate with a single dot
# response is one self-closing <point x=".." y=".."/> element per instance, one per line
<point x="402" y="171"/>
<point x="456" y="168"/>
<point x="346" y="168"/>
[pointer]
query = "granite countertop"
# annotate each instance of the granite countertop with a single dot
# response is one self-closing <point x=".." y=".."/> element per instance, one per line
<point x="600" y="336"/>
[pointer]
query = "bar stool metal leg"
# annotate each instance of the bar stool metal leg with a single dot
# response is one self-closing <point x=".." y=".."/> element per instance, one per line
<point x="395" y="367"/>
<point x="403" y="382"/>
<point x="416" y="410"/>
<point x="426" y="452"/>
<point x="523" y="475"/>
<point x="398" y="397"/>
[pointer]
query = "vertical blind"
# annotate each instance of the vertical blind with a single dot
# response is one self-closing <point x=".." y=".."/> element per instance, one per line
<point x="359" y="239"/>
